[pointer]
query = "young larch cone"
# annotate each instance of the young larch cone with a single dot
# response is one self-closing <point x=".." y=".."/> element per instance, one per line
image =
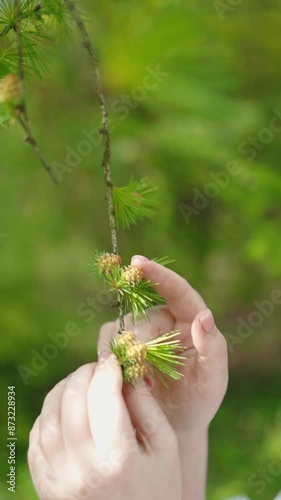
<point x="107" y="262"/>
<point x="11" y="90"/>
<point x="126" y="338"/>
<point x="137" y="352"/>
<point x="132" y="275"/>
<point x="135" y="372"/>
<point x="163" y="354"/>
<point x="132" y="355"/>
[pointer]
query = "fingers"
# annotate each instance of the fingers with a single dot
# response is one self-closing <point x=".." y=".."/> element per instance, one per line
<point x="182" y="300"/>
<point x="211" y="349"/>
<point x="50" y="434"/>
<point x="107" y="332"/>
<point x="148" y="418"/>
<point x="74" y="408"/>
<point x="34" y="447"/>
<point x="160" y="321"/>
<point x="108" y="414"/>
<point x="64" y="422"/>
<point x="35" y="458"/>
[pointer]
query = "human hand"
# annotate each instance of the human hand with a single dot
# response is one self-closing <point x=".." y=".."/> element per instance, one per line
<point x="84" y="446"/>
<point x="190" y="403"/>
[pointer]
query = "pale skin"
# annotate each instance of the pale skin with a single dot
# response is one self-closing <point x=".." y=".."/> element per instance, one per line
<point x="84" y="442"/>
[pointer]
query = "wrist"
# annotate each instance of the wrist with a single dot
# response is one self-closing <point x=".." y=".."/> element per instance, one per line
<point x="191" y="438"/>
<point x="193" y="449"/>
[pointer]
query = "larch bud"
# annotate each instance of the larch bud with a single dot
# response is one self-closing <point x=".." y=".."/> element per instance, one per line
<point x="137" y="352"/>
<point x="135" y="372"/>
<point x="132" y="275"/>
<point x="132" y="355"/>
<point x="126" y="338"/>
<point x="11" y="90"/>
<point x="107" y="262"/>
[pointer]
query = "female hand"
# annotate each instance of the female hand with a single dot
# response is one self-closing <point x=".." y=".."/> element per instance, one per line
<point x="190" y="403"/>
<point x="84" y="445"/>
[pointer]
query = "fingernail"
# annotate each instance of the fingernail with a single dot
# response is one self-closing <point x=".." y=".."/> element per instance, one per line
<point x="207" y="321"/>
<point x="103" y="356"/>
<point x="149" y="382"/>
<point x="137" y="260"/>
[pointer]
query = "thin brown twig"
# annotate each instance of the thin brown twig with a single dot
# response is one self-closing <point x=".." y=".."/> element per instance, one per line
<point x="106" y="162"/>
<point x="33" y="143"/>
<point x="22" y="109"/>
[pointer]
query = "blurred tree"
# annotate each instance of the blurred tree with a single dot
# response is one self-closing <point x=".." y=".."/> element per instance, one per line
<point x="216" y="88"/>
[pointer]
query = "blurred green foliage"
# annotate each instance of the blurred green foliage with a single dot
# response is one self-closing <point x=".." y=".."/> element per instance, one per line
<point x="220" y="84"/>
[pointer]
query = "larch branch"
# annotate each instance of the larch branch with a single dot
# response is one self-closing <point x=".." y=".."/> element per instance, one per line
<point x="106" y="162"/>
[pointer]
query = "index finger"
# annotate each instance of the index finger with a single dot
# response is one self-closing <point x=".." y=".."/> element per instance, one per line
<point x="182" y="300"/>
<point x="108" y="415"/>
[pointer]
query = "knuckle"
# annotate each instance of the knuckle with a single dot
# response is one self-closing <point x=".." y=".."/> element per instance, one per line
<point x="73" y="389"/>
<point x="31" y="454"/>
<point x="190" y="293"/>
<point x="80" y="488"/>
<point x="86" y="484"/>
<point x="35" y="458"/>
<point x="49" y="433"/>
<point x="49" y="399"/>
<point x="33" y="447"/>
<point x="78" y="378"/>
<point x="85" y="370"/>
<point x="33" y="435"/>
<point x="200" y="301"/>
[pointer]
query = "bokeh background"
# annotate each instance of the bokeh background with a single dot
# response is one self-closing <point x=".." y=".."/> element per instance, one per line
<point x="219" y="83"/>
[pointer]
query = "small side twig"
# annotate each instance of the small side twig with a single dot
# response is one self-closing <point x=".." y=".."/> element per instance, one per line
<point x="106" y="162"/>
<point x="32" y="142"/>
<point x="22" y="116"/>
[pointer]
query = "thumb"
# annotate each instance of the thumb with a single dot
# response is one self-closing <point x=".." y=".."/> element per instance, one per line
<point x="108" y="415"/>
<point x="153" y="429"/>
<point x="211" y="349"/>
